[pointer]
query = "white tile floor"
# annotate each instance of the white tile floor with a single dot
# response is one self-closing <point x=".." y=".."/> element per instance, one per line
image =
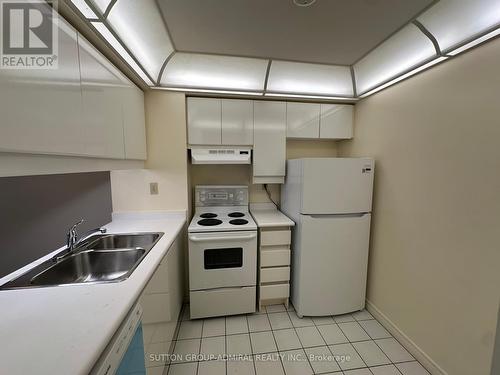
<point x="277" y="342"/>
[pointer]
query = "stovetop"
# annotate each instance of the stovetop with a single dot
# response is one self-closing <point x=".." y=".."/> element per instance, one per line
<point x="222" y="219"/>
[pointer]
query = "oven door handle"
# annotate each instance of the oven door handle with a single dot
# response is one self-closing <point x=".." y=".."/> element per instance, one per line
<point x="232" y="237"/>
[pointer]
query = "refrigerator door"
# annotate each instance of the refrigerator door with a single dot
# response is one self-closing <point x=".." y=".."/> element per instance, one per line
<point x="337" y="185"/>
<point x="330" y="260"/>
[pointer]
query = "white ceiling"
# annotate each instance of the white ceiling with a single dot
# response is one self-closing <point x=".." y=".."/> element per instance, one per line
<point x="330" y="31"/>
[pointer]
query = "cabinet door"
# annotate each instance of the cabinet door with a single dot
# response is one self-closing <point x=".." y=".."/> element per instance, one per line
<point x="41" y="108"/>
<point x="134" y="123"/>
<point x="102" y="95"/>
<point x="204" y="121"/>
<point x="161" y="301"/>
<point x="269" y="142"/>
<point x="336" y="121"/>
<point x="302" y="120"/>
<point x="237" y="122"/>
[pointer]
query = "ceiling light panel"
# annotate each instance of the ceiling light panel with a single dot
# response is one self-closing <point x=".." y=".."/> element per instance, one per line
<point x="453" y="22"/>
<point x="110" y="38"/>
<point x="405" y="76"/>
<point x="309" y="79"/>
<point x="84" y="9"/>
<point x="406" y="49"/>
<point x="140" y="26"/>
<point x="192" y="70"/>
<point x="101" y="5"/>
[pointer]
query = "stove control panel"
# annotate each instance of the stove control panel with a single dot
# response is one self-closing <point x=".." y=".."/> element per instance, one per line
<point x="212" y="195"/>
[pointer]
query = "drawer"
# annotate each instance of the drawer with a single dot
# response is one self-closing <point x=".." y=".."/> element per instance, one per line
<point x="275" y="237"/>
<point x="275" y="274"/>
<point x="274" y="258"/>
<point x="224" y="301"/>
<point x="274" y="291"/>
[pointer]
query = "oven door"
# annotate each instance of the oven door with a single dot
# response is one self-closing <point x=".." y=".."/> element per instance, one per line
<point x="222" y="259"/>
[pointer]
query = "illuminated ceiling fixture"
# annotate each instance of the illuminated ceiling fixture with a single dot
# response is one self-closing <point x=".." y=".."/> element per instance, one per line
<point x="117" y="46"/>
<point x="84" y="9"/>
<point x="136" y="31"/>
<point x="209" y="91"/>
<point x="304" y="3"/>
<point x="404" y="76"/>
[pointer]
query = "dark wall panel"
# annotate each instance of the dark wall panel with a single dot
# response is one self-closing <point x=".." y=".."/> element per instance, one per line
<point x="37" y="211"/>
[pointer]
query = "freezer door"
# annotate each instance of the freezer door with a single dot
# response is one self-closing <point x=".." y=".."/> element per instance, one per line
<point x="330" y="264"/>
<point x="337" y="185"/>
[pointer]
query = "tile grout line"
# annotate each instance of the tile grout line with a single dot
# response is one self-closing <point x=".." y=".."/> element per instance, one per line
<point x="276" y="343"/>
<point x="393" y="363"/>
<point x="302" y="345"/>
<point x="349" y="342"/>
<point x="390" y="360"/>
<point x="251" y="347"/>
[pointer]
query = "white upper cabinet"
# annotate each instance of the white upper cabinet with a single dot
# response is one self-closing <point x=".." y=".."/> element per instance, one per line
<point x="204" y="121"/>
<point x="215" y="122"/>
<point x="134" y="123"/>
<point x="269" y="150"/>
<point x="302" y="120"/>
<point x="336" y="121"/>
<point x="41" y="108"/>
<point x="102" y="96"/>
<point x="237" y="122"/>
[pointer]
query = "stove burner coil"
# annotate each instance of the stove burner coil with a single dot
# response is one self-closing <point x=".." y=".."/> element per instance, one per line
<point x="236" y="214"/>
<point x="209" y="222"/>
<point x="208" y="215"/>
<point x="238" y="222"/>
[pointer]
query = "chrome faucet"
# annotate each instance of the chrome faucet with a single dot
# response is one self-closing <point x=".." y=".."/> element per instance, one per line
<point x="73" y="241"/>
<point x="72" y="238"/>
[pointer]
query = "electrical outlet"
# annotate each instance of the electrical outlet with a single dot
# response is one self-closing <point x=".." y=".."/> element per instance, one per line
<point x="153" y="188"/>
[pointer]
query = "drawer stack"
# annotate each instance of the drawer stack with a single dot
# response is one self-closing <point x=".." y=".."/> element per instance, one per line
<point x="274" y="266"/>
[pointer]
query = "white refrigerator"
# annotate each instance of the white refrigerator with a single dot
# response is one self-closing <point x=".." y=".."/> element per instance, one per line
<point x="330" y="200"/>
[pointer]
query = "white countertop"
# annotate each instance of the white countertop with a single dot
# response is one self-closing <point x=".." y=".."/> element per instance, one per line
<point x="266" y="215"/>
<point x="63" y="330"/>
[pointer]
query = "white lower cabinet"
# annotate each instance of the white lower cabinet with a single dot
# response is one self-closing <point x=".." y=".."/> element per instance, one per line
<point x="269" y="149"/>
<point x="274" y="266"/>
<point x="161" y="301"/>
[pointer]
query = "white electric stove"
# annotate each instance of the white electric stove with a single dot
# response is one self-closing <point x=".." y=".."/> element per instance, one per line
<point x="222" y="253"/>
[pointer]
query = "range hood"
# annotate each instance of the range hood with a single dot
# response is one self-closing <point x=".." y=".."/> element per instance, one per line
<point x="220" y="155"/>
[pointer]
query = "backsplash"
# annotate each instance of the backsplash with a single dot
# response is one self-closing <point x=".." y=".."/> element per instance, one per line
<point x="37" y="211"/>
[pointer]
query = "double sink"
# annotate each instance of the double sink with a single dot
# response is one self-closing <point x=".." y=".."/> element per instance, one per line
<point x="98" y="259"/>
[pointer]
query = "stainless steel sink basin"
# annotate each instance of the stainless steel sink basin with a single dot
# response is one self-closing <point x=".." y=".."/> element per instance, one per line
<point x="122" y="241"/>
<point x="90" y="266"/>
<point x="98" y="259"/>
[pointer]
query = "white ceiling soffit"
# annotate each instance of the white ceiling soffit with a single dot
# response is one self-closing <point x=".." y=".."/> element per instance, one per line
<point x="405" y="50"/>
<point x="190" y="70"/>
<point x="454" y="22"/>
<point x="140" y="26"/>
<point x="309" y="79"/>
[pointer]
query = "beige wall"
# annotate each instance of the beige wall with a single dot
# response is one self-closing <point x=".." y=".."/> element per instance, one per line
<point x="242" y="174"/>
<point x="435" y="256"/>
<point x="166" y="163"/>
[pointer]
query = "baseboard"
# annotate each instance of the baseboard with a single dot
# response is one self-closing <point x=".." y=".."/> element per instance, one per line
<point x="413" y="348"/>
